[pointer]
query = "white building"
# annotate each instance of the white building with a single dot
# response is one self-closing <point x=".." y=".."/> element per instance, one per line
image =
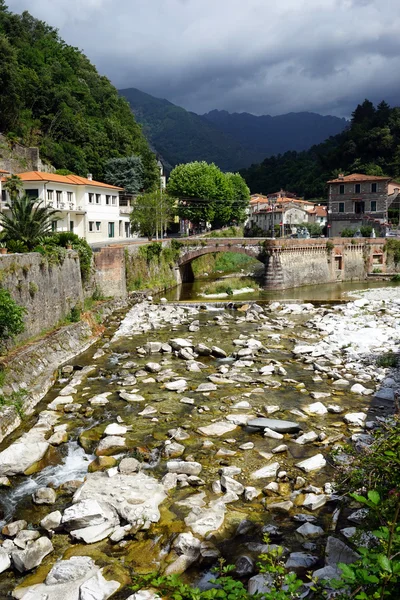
<point x="285" y="210"/>
<point x="88" y="208"/>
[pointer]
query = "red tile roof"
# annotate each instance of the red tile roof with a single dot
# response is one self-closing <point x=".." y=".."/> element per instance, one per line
<point x="66" y="179"/>
<point x="358" y="177"/>
<point x="319" y="211"/>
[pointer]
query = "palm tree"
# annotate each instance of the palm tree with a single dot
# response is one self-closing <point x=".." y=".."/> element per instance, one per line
<point x="14" y="186"/>
<point x="28" y="221"/>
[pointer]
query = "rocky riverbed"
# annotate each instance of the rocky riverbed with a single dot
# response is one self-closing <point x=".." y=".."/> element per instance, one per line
<point x="189" y="435"/>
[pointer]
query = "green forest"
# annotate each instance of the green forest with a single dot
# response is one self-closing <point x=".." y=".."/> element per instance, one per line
<point x="370" y="145"/>
<point x="52" y="97"/>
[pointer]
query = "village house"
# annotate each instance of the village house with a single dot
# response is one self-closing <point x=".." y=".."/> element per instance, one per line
<point x="358" y="199"/>
<point x="89" y="208"/>
<point x="285" y="210"/>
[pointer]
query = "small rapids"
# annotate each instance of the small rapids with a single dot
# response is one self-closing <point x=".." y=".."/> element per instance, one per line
<point x="74" y="466"/>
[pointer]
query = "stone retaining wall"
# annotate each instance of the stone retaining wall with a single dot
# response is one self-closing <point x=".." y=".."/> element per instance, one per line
<point x="47" y="291"/>
<point x="34" y="368"/>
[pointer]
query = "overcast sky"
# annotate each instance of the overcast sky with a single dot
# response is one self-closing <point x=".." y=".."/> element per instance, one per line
<point x="259" y="56"/>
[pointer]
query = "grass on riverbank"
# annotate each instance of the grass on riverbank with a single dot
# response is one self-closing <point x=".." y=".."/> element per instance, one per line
<point x="227" y="287"/>
<point x="229" y="232"/>
<point x="225" y="262"/>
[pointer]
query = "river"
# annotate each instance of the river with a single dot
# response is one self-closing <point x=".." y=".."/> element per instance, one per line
<point x="246" y="358"/>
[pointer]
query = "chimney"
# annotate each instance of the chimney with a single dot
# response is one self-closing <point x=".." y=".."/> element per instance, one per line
<point x="89" y="176"/>
<point x="341" y="176"/>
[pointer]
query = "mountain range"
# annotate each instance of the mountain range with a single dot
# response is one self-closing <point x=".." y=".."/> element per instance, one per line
<point x="232" y="141"/>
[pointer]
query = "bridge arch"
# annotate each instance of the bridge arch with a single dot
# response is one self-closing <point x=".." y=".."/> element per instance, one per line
<point x="184" y="262"/>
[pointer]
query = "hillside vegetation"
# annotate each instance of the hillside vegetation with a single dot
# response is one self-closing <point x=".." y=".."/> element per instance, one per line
<point x="52" y="97"/>
<point x="231" y="141"/>
<point x="181" y="136"/>
<point x="370" y="145"/>
<point x="274" y="135"/>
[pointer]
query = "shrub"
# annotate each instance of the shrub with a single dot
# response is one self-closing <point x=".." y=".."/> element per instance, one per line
<point x="393" y="249"/>
<point x="151" y="251"/>
<point x="33" y="288"/>
<point x="11" y="317"/>
<point x="387" y="360"/>
<point x="75" y="314"/>
<point x="348" y="232"/>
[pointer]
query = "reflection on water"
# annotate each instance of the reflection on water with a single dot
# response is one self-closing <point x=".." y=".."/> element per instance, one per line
<point x="320" y="292"/>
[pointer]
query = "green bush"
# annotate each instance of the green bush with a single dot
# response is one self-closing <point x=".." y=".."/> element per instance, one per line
<point x="348" y="232"/>
<point x="151" y="251"/>
<point x="53" y="247"/>
<point x="390" y="359"/>
<point x="75" y="314"/>
<point x="11" y="317"/>
<point x="393" y="249"/>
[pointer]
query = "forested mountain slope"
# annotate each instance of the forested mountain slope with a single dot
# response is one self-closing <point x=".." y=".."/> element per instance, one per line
<point x="52" y="97"/>
<point x="231" y="141"/>
<point x="370" y="145"/>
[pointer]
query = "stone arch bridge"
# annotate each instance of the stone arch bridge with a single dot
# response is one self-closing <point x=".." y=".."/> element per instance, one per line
<point x="292" y="262"/>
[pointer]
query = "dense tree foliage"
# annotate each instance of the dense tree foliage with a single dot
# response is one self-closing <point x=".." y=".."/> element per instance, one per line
<point x="125" y="172"/>
<point x="51" y="96"/>
<point x="370" y="145"/>
<point x="207" y="195"/>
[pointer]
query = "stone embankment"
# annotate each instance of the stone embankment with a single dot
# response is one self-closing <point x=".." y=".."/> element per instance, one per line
<point x="201" y="427"/>
<point x="32" y="370"/>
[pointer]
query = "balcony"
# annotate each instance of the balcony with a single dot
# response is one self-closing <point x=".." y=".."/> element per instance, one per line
<point x="125" y="210"/>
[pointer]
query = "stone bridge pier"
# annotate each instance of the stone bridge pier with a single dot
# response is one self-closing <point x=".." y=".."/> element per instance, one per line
<point x="290" y="263"/>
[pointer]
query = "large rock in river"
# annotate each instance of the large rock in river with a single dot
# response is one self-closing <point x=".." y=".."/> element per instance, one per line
<point x="77" y="578"/>
<point x="274" y="424"/>
<point x="136" y="497"/>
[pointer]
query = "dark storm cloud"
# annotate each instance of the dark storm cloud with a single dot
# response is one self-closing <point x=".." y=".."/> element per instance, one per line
<point x="259" y="56"/>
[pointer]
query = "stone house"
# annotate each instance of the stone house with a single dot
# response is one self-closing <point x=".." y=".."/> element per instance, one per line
<point x="91" y="209"/>
<point x="357" y="199"/>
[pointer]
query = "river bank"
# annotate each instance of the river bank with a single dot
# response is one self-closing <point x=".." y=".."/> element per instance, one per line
<point x="149" y="452"/>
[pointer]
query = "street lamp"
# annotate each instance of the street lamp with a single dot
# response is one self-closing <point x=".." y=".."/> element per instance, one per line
<point x="272" y="204"/>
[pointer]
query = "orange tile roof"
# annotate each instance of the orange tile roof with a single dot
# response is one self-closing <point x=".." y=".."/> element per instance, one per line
<point x="67" y="179"/>
<point x="2" y="171"/>
<point x="319" y="211"/>
<point x="358" y="177"/>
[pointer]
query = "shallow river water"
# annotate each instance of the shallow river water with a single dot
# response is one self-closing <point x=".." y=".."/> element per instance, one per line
<point x="242" y="392"/>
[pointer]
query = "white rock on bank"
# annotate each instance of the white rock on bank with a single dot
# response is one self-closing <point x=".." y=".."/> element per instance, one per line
<point x="217" y="429"/>
<point x="316" y="409"/>
<point x="176" y="386"/>
<point x="205" y="520"/>
<point x="266" y="472"/>
<point x="32" y="555"/>
<point x="115" y="429"/>
<point x="135" y="497"/>
<point x="5" y="562"/>
<point x="306" y="438"/>
<point x="356" y="419"/>
<point x="312" y="464"/>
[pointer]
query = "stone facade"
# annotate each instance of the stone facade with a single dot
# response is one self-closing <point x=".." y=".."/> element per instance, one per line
<point x="357" y="199"/>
